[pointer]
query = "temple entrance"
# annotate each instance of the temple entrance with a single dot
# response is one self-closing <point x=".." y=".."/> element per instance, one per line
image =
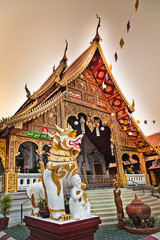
<point x="97" y="151"/>
<point x="28" y="158"/>
<point x="98" y="169"/>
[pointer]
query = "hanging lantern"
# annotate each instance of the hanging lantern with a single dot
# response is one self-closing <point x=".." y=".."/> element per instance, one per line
<point x="75" y="123"/>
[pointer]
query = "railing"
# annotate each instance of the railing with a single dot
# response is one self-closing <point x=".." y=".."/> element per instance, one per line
<point x="95" y="181"/>
<point x="138" y="178"/>
<point x="25" y="179"/>
<point x="144" y="187"/>
<point x="22" y="209"/>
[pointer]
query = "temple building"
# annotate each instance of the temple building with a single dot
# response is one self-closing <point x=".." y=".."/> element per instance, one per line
<point x="86" y="96"/>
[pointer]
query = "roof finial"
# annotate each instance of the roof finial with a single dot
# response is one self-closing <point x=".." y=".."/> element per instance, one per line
<point x="97" y="37"/>
<point x="64" y="57"/>
<point x="99" y="21"/>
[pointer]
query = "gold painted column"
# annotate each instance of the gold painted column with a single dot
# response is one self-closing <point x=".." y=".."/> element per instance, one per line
<point x="143" y="167"/>
<point x="9" y="179"/>
<point x="153" y="179"/>
<point x="121" y="177"/>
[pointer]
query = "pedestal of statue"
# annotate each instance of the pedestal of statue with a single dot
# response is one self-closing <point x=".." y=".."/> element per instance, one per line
<point x="42" y="229"/>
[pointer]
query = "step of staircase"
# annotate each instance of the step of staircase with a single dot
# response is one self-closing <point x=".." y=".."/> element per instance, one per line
<point x="103" y="205"/>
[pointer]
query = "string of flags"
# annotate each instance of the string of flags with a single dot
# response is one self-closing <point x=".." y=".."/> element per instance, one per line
<point x="146" y="122"/>
<point x="127" y="28"/>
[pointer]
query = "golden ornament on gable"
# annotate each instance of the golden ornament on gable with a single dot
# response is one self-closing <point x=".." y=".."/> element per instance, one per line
<point x="108" y="89"/>
<point x="117" y="102"/>
<point x="100" y="74"/>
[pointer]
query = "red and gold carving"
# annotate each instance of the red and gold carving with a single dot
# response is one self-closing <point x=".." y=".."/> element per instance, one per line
<point x="74" y="93"/>
<point x="12" y="182"/>
<point x="80" y="84"/>
<point x="93" y="89"/>
<point x="88" y="98"/>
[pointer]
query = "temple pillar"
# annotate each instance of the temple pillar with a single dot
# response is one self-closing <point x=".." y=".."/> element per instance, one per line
<point x="9" y="178"/>
<point x="143" y="167"/>
<point x="153" y="179"/>
<point x="121" y="177"/>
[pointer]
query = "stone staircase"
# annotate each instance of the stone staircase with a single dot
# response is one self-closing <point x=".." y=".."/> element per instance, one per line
<point x="101" y="200"/>
<point x="103" y="205"/>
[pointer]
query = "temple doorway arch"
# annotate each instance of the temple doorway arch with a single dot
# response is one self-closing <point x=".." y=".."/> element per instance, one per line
<point x="136" y="163"/>
<point x="95" y="146"/>
<point x="27" y="158"/>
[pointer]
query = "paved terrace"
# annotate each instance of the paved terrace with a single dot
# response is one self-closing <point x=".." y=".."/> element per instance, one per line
<point x="20" y="232"/>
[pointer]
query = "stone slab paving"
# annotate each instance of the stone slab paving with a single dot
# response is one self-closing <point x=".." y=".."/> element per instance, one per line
<point x="20" y="232"/>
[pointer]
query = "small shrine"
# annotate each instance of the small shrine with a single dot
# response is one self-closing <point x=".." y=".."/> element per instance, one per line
<point x="86" y="97"/>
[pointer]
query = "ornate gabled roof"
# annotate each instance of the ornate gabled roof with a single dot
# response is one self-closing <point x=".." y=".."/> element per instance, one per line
<point x="94" y="62"/>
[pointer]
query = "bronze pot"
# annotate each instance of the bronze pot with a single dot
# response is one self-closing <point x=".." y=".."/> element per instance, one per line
<point x="137" y="211"/>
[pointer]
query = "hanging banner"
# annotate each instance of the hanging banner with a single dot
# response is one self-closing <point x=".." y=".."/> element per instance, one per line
<point x="38" y="135"/>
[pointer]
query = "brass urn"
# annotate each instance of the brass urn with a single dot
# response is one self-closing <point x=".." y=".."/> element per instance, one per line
<point x="137" y="211"/>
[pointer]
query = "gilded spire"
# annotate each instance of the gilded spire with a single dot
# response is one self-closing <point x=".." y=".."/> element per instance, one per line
<point x="97" y="37"/>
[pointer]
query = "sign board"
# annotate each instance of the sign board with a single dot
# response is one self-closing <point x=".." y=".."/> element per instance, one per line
<point x="38" y="135"/>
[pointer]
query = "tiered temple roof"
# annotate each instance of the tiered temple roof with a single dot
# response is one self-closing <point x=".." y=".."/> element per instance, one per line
<point x="54" y="89"/>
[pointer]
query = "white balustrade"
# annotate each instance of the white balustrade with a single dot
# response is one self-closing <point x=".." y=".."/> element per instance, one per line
<point x="138" y="178"/>
<point x="25" y="179"/>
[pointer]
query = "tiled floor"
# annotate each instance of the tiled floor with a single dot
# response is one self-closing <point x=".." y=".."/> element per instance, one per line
<point x="20" y="232"/>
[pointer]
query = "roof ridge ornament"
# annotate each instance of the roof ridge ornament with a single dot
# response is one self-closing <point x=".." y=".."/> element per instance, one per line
<point x="131" y="108"/>
<point x="64" y="57"/>
<point x="97" y="36"/>
<point x="28" y="92"/>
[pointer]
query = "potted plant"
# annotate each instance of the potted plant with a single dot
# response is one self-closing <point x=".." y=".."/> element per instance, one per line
<point x="26" y="169"/>
<point x="5" y="206"/>
<point x="43" y="208"/>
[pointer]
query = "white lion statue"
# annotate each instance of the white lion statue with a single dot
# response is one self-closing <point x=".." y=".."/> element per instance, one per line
<point x="58" y="174"/>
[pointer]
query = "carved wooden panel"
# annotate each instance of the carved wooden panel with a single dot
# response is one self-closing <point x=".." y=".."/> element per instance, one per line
<point x="81" y="84"/>
<point x="12" y="182"/>
<point x="35" y="128"/>
<point x="51" y="119"/>
<point x="101" y="102"/>
<point x="86" y="75"/>
<point x="87" y="97"/>
<point x="12" y="142"/>
<point x="39" y="119"/>
<point x="75" y="93"/>
<point x="72" y="84"/>
<point x="93" y="89"/>
<point x="72" y="109"/>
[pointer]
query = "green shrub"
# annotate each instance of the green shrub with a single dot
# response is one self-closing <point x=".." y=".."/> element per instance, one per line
<point x="6" y="204"/>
